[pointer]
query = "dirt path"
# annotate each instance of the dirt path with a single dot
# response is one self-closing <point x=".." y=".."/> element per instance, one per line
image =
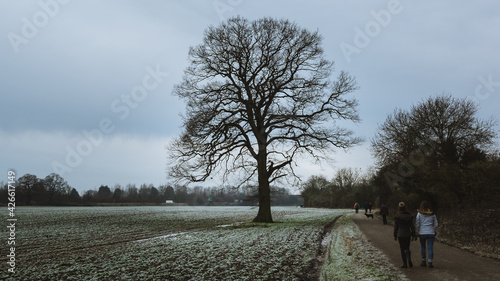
<point x="449" y="263"/>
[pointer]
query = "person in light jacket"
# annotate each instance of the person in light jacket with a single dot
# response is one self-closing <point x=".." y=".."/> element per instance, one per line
<point x="425" y="225"/>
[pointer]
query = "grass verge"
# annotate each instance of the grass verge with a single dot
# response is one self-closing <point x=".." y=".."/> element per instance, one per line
<point x="350" y="256"/>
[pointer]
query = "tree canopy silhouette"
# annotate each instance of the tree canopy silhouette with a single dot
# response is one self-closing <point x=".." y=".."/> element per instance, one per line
<point x="434" y="150"/>
<point x="444" y="128"/>
<point x="258" y="96"/>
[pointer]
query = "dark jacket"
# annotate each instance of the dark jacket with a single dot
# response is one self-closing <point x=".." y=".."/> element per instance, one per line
<point x="384" y="210"/>
<point x="403" y="225"/>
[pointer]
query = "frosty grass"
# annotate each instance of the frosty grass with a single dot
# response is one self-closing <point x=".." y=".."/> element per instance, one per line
<point x="350" y="256"/>
<point x="181" y="243"/>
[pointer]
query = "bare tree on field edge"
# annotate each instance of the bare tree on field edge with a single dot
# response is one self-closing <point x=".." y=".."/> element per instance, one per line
<point x="259" y="95"/>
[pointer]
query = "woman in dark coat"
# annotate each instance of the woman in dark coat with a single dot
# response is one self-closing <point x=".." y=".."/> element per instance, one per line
<point x="404" y="230"/>
<point x="384" y="211"/>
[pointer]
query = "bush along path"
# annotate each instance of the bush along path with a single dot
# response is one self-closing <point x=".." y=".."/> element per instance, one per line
<point x="449" y="263"/>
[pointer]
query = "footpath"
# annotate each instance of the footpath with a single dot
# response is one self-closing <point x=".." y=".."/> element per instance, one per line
<point x="449" y="263"/>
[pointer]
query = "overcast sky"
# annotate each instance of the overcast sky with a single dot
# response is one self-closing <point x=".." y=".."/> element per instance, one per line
<point x="85" y="86"/>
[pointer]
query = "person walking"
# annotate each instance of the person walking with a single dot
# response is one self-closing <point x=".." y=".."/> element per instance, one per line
<point x="404" y="231"/>
<point x="384" y="211"/>
<point x="425" y="225"/>
<point x="356" y="206"/>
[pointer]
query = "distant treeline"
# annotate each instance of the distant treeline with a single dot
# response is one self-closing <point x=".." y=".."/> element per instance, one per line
<point x="345" y="188"/>
<point x="54" y="190"/>
<point x="449" y="187"/>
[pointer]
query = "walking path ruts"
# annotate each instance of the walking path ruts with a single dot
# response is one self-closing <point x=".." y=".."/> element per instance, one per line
<point x="449" y="263"/>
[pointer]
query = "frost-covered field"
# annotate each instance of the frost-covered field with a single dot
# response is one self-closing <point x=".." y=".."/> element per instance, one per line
<point x="350" y="256"/>
<point x="166" y="243"/>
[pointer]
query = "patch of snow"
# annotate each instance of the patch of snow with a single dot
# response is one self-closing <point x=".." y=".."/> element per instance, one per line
<point x="229" y="225"/>
<point x="171" y="236"/>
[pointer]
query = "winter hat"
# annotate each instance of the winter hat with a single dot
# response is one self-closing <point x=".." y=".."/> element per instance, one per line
<point x="402" y="206"/>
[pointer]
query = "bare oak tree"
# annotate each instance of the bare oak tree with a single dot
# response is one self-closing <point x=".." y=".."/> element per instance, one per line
<point x="428" y="150"/>
<point x="443" y="128"/>
<point x="29" y="185"/>
<point x="258" y="96"/>
<point x="55" y="184"/>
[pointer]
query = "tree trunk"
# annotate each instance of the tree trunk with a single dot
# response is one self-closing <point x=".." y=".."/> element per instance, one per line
<point x="264" y="214"/>
<point x="51" y="195"/>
